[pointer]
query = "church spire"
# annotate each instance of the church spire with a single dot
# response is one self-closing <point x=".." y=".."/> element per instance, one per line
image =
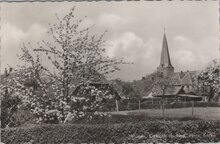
<point x="165" y="56"/>
<point x="165" y="68"/>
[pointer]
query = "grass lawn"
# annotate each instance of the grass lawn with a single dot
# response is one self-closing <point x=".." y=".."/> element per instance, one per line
<point x="207" y="113"/>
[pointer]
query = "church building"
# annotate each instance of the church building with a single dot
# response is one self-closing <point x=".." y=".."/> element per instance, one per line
<point x="185" y="84"/>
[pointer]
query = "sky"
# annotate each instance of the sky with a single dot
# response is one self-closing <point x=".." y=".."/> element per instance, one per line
<point x="135" y="31"/>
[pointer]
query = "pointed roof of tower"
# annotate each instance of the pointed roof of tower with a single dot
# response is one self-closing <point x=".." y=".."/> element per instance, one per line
<point x="165" y="56"/>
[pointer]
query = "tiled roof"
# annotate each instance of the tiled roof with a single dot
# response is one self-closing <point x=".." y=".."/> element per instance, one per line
<point x="145" y="86"/>
<point x="186" y="78"/>
<point x="168" y="91"/>
<point x="177" y="80"/>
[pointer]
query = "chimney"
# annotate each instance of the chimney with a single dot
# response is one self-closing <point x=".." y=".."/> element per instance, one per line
<point x="10" y="69"/>
<point x="6" y="72"/>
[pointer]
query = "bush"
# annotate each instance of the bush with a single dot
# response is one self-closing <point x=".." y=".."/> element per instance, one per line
<point x="150" y="131"/>
<point x="9" y="107"/>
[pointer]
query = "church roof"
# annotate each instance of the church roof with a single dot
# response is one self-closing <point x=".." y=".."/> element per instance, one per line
<point x="177" y="79"/>
<point x="186" y="78"/>
<point x="165" y="56"/>
<point x="169" y="91"/>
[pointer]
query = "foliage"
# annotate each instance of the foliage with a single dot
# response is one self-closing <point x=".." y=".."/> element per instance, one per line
<point x="138" y="90"/>
<point x="90" y="101"/>
<point x="9" y="102"/>
<point x="128" y="90"/>
<point x="158" y="131"/>
<point x="9" y="107"/>
<point x="76" y="58"/>
<point x="210" y="77"/>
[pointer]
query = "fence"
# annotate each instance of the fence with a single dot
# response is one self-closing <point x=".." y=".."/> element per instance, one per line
<point x="157" y="104"/>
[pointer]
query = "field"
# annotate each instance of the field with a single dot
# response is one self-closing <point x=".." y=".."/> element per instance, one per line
<point x="207" y="113"/>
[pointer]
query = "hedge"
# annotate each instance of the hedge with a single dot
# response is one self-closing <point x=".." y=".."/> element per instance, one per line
<point x="145" y="132"/>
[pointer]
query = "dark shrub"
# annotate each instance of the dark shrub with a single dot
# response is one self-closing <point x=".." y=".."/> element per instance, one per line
<point x="9" y="107"/>
<point x="145" y="132"/>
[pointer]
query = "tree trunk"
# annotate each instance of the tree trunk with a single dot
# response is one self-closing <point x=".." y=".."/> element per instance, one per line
<point x="211" y="94"/>
<point x="163" y="106"/>
<point x="128" y="105"/>
<point x="116" y="102"/>
<point x="192" y="108"/>
<point x="139" y="105"/>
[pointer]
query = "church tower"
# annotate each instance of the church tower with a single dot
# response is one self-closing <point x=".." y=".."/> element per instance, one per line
<point x="165" y="68"/>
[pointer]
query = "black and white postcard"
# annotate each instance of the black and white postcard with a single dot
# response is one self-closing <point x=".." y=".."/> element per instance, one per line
<point x="109" y="72"/>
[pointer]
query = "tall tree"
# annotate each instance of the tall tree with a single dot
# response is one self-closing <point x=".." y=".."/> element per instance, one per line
<point x="76" y="57"/>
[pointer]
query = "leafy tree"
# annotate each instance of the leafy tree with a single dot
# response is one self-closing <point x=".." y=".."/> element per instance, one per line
<point x="138" y="92"/>
<point x="209" y="79"/>
<point x="164" y="86"/>
<point x="76" y="58"/>
<point x="128" y="92"/>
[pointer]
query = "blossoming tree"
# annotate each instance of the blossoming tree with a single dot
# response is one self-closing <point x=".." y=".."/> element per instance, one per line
<point x="76" y="58"/>
<point x="210" y="78"/>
